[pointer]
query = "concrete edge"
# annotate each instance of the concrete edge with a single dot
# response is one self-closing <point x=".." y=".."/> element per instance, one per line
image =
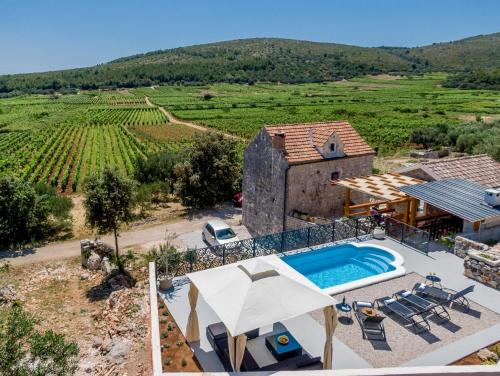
<point x="458" y="349"/>
<point x="155" y="324"/>
<point x="398" y="371"/>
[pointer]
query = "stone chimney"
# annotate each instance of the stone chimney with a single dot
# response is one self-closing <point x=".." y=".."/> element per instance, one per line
<point x="279" y="140"/>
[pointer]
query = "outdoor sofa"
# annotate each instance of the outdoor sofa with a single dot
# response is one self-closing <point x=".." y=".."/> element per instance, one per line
<point x="443" y="296"/>
<point x="371" y="326"/>
<point x="217" y="336"/>
<point x="412" y="316"/>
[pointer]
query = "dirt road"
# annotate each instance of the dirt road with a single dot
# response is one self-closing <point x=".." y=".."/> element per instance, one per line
<point x="172" y="119"/>
<point x="140" y="239"/>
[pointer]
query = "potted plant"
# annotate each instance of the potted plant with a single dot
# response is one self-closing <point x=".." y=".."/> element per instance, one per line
<point x="164" y="279"/>
<point x="169" y="260"/>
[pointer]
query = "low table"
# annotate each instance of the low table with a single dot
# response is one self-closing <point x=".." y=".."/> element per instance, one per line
<point x="433" y="280"/>
<point x="344" y="308"/>
<point x="282" y="352"/>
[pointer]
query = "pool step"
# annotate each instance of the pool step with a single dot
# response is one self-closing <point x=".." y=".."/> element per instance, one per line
<point x="378" y="264"/>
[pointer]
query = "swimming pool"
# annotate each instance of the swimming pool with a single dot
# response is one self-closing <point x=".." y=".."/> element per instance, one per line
<point x="342" y="267"/>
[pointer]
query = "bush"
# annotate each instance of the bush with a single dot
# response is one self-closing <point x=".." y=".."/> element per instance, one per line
<point x="158" y="167"/>
<point x="25" y="215"/>
<point x="25" y="351"/>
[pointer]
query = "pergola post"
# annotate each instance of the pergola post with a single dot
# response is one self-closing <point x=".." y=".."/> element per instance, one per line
<point x="347" y="202"/>
<point x="193" y="328"/>
<point x="236" y="347"/>
<point x="330" y="314"/>
<point x="413" y="211"/>
<point x="406" y="211"/>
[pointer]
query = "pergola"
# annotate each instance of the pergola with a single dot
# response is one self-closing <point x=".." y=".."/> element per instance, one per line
<point x="252" y="294"/>
<point x="385" y="188"/>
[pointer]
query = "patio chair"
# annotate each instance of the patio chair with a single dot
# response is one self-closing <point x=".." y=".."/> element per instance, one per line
<point x="370" y="325"/>
<point x="444" y="297"/>
<point x="422" y="304"/>
<point x="405" y="313"/>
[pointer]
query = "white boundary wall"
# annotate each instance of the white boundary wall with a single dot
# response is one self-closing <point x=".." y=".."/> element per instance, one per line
<point x="155" y="324"/>
<point x="399" y="371"/>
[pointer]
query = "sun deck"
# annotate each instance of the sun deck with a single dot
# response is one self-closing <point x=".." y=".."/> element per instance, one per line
<point x="445" y="343"/>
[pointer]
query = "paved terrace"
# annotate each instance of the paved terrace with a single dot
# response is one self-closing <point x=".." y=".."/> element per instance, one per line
<point x="453" y="341"/>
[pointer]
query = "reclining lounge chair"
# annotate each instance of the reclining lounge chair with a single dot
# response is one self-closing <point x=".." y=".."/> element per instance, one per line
<point x="370" y="325"/>
<point x="444" y="297"/>
<point x="405" y="313"/>
<point x="422" y="304"/>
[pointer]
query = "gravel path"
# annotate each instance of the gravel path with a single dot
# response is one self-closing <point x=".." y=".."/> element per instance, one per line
<point x="402" y="344"/>
<point x="140" y="239"/>
<point x="172" y="119"/>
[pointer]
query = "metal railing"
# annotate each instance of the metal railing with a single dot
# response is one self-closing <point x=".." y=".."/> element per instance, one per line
<point x="210" y="257"/>
<point x="408" y="235"/>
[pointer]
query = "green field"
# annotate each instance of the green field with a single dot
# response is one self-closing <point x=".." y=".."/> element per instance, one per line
<point x="59" y="140"/>
<point x="383" y="111"/>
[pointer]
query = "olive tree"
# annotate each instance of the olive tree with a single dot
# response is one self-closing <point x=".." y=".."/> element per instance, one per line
<point x="109" y="202"/>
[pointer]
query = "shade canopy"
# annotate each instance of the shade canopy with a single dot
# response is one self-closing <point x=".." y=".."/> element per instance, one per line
<point x="383" y="186"/>
<point x="255" y="293"/>
<point x="462" y="198"/>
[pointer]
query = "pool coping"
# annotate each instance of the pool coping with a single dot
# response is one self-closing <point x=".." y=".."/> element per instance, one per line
<point x="397" y="263"/>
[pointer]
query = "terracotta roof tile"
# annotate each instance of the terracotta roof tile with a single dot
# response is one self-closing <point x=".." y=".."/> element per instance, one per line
<point x="480" y="169"/>
<point x="301" y="139"/>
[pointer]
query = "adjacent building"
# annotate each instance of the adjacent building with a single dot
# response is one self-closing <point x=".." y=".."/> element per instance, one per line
<point x="288" y="170"/>
<point x="479" y="169"/>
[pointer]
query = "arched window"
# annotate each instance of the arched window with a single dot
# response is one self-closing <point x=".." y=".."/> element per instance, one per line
<point x="333" y="147"/>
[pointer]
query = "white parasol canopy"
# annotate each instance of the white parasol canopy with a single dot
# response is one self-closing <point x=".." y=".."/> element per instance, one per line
<point x="255" y="293"/>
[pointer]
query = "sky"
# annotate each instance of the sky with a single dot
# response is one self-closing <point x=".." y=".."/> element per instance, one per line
<point x="54" y="34"/>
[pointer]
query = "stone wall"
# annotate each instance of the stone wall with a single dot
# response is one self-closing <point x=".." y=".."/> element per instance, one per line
<point x="463" y="245"/>
<point x="264" y="170"/>
<point x="310" y="190"/>
<point x="293" y="223"/>
<point x="482" y="271"/>
<point x="476" y="266"/>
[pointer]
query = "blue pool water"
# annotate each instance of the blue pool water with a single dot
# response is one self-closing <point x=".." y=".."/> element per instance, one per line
<point x="339" y="264"/>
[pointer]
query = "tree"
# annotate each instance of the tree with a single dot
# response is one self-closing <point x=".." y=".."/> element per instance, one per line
<point x="24" y="351"/>
<point x="109" y="203"/>
<point x="23" y="213"/>
<point x="211" y="172"/>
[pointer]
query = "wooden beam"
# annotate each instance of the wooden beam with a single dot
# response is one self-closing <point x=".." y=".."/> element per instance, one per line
<point x="347" y="202"/>
<point x="406" y="212"/>
<point x="367" y="205"/>
<point x="413" y="211"/>
<point x="476" y="226"/>
<point x="431" y="216"/>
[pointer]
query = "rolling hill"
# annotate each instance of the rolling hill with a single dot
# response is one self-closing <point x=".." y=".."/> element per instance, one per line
<point x="263" y="59"/>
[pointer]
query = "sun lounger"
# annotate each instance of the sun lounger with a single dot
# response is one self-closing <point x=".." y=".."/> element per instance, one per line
<point x="405" y="313"/>
<point x="370" y="325"/>
<point x="444" y="296"/>
<point x="422" y="304"/>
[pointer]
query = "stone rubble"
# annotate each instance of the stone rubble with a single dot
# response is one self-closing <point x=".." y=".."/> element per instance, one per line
<point x="119" y="325"/>
<point x="8" y="295"/>
<point x="485" y="355"/>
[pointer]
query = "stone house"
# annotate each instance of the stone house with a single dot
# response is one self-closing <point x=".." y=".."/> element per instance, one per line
<point x="288" y="169"/>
